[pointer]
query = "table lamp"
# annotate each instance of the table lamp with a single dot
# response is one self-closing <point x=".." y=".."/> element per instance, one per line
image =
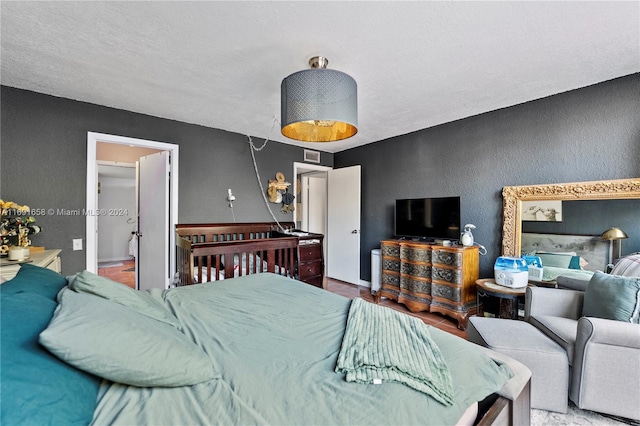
<point x="614" y="234"/>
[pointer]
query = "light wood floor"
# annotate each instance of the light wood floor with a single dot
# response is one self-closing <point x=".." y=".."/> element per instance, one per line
<point x="351" y="291"/>
<point x="122" y="274"/>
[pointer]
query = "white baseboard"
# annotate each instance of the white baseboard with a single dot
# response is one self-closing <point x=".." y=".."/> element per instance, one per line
<point x="115" y="259"/>
<point x="364" y="283"/>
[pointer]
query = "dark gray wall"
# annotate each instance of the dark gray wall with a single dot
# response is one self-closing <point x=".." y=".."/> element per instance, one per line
<point x="587" y="134"/>
<point x="43" y="158"/>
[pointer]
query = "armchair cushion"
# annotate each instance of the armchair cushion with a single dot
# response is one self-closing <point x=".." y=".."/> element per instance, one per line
<point x="612" y="297"/>
<point x="628" y="266"/>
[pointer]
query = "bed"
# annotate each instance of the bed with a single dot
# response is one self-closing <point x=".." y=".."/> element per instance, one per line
<point x="257" y="349"/>
<point x="575" y="256"/>
<point x="255" y="247"/>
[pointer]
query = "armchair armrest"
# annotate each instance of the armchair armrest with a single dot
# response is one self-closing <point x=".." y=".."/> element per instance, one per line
<point x="553" y="302"/>
<point x="572" y="283"/>
<point x="605" y="374"/>
<point x="608" y="332"/>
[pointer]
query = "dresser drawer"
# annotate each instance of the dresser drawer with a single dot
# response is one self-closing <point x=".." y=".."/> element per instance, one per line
<point x="451" y="292"/>
<point x="309" y="269"/>
<point x="314" y="281"/>
<point x="390" y="265"/>
<point x="390" y="250"/>
<point x="415" y="254"/>
<point x="310" y="252"/>
<point x="453" y="276"/>
<point x="447" y="257"/>
<point x="416" y="270"/>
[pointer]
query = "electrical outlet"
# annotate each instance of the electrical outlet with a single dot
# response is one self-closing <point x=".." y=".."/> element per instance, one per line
<point x="77" y="244"/>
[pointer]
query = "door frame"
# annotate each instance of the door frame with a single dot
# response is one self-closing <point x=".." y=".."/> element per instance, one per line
<point x="92" y="193"/>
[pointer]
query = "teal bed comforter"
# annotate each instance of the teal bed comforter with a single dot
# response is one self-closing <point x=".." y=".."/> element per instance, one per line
<point x="274" y="344"/>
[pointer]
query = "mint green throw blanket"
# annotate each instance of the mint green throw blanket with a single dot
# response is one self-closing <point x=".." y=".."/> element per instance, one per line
<point x="381" y="344"/>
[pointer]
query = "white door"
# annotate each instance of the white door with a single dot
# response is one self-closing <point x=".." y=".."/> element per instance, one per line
<point x="153" y="265"/>
<point x="343" y="224"/>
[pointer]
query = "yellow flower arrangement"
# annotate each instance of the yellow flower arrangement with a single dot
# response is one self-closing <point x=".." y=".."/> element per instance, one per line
<point x="16" y="225"/>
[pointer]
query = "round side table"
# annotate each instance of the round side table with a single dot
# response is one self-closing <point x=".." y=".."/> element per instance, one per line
<point x="487" y="287"/>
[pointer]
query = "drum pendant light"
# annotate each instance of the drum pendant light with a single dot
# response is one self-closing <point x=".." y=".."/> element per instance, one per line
<point x="318" y="104"/>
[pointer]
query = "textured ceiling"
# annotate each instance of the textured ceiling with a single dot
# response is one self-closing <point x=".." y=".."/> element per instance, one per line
<point x="220" y="64"/>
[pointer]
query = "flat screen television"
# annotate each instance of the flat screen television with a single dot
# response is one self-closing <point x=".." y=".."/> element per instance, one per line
<point x="428" y="218"/>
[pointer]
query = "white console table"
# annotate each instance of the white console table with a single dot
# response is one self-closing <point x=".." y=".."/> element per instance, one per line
<point x="49" y="259"/>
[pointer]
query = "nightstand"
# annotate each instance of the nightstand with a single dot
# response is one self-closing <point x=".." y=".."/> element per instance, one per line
<point x="47" y="259"/>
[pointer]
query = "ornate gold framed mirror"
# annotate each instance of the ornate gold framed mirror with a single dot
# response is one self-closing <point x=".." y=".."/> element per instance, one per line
<point x="513" y="196"/>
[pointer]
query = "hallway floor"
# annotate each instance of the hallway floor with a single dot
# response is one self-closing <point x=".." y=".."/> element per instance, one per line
<point x="123" y="272"/>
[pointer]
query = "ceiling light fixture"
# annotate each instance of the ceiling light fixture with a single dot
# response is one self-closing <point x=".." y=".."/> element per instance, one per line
<point x="318" y="104"/>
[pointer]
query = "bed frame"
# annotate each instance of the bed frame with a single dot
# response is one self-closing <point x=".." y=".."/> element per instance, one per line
<point x="503" y="411"/>
<point x="201" y="249"/>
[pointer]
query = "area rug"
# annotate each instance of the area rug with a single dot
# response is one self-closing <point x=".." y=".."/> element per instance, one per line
<point x="574" y="417"/>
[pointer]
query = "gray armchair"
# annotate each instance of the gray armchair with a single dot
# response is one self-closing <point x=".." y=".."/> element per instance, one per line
<point x="603" y="355"/>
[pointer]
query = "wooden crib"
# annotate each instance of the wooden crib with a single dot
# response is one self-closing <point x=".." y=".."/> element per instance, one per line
<point x="214" y="251"/>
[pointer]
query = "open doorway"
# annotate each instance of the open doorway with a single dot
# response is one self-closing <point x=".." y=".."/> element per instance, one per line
<point x="310" y="187"/>
<point x="123" y="151"/>
<point x="117" y="242"/>
<point x="328" y="202"/>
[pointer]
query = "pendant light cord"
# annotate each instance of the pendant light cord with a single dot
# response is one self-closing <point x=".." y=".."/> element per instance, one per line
<point x="253" y="148"/>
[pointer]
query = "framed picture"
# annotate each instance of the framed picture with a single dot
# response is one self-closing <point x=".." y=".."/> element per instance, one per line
<point x="542" y="210"/>
<point x="311" y="156"/>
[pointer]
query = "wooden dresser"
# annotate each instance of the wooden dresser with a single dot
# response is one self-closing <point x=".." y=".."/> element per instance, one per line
<point x="311" y="259"/>
<point x="430" y="277"/>
<point x="49" y="259"/>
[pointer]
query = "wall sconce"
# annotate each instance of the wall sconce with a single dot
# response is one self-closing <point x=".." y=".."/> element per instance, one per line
<point x="614" y="234"/>
<point x="318" y="104"/>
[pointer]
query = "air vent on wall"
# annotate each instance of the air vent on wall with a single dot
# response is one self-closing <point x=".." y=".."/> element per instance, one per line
<point x="311" y="156"/>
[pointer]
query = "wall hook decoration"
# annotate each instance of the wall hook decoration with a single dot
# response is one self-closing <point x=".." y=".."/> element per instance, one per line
<point x="277" y="187"/>
<point x="287" y="202"/>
